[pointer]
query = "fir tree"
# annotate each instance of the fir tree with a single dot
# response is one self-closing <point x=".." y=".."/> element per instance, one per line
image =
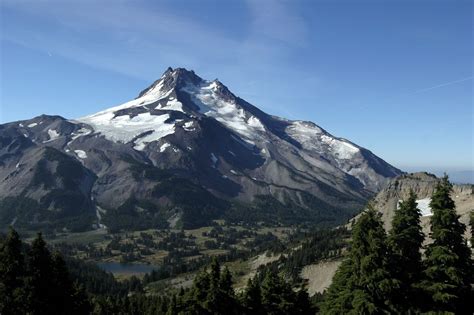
<point x="405" y="240"/>
<point x="370" y="286"/>
<point x="471" y="223"/>
<point x="448" y="267"/>
<point x="12" y="274"/>
<point x="278" y="297"/>
<point x="39" y="280"/>
<point x="374" y="285"/>
<point x="68" y="297"/>
<point x="252" y="298"/>
<point x="339" y="296"/>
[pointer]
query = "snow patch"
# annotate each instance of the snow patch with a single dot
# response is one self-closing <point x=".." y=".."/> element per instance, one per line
<point x="20" y="125"/>
<point x="32" y="125"/>
<point x="172" y="104"/>
<point x="164" y="146"/>
<point x="188" y="126"/>
<point x="341" y="148"/>
<point x="81" y="154"/>
<point x="53" y="135"/>
<point x="304" y="130"/>
<point x="234" y="172"/>
<point x="81" y="132"/>
<point x="424" y="206"/>
<point x="255" y="123"/>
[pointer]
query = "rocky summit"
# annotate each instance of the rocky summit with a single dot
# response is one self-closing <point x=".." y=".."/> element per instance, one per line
<point x="184" y="152"/>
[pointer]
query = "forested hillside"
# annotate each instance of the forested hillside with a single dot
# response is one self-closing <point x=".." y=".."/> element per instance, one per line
<point x="380" y="274"/>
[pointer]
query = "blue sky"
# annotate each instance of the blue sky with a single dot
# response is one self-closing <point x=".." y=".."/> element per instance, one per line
<point x="393" y="76"/>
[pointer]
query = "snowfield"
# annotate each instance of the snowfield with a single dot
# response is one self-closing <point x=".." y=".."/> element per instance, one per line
<point x="144" y="127"/>
<point x="211" y="104"/>
<point x="313" y="137"/>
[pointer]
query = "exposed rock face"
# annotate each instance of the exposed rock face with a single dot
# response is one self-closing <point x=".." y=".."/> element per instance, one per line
<point x="185" y="138"/>
<point x="423" y="184"/>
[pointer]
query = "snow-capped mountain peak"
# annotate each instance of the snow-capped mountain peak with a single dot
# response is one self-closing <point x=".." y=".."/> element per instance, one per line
<point x="180" y="99"/>
<point x="200" y="132"/>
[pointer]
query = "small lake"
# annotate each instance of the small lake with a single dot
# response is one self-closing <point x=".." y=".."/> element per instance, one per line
<point x="120" y="268"/>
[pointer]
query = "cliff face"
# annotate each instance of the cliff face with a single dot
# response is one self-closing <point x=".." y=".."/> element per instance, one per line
<point x="423" y="184"/>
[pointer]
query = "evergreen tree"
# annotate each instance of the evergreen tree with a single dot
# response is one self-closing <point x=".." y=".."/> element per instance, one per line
<point x="339" y="296"/>
<point x="61" y="286"/>
<point x="225" y="282"/>
<point x="374" y="285"/>
<point x="471" y="223"/>
<point x="68" y="297"/>
<point x="40" y="279"/>
<point x="370" y="286"/>
<point x="448" y="267"/>
<point x="193" y="302"/>
<point x="12" y="274"/>
<point x="252" y="298"/>
<point x="405" y="240"/>
<point x="220" y="298"/>
<point x="278" y="297"/>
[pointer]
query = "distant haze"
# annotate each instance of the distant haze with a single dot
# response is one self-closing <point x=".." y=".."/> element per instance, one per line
<point x="455" y="176"/>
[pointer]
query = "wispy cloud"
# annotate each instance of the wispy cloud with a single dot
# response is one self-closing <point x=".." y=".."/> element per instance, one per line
<point x="443" y="85"/>
<point x="134" y="38"/>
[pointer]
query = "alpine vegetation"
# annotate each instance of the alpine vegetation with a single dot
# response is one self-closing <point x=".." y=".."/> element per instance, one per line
<point x="389" y="276"/>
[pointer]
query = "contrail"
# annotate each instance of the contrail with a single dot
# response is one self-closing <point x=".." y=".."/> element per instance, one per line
<point x="443" y="84"/>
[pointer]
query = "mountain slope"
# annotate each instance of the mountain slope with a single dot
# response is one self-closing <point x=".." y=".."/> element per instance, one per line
<point x="186" y="147"/>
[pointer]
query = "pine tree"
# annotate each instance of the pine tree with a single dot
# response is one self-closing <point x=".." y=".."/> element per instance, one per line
<point x="448" y="267"/>
<point x="12" y="274"/>
<point x="405" y="241"/>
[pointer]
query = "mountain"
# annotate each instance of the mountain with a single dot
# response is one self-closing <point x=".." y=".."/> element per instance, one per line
<point x="183" y="152"/>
